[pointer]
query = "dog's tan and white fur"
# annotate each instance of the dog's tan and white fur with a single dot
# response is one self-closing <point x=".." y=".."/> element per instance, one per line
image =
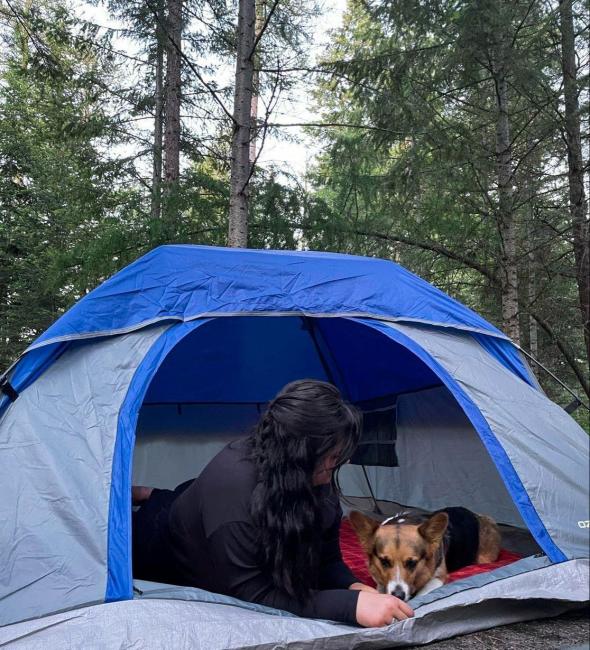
<point x="408" y="559"/>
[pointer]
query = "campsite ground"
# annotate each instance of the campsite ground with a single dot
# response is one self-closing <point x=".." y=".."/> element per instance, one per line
<point x="571" y="630"/>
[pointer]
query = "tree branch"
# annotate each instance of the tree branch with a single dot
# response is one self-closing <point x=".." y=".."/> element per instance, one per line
<point x="565" y="350"/>
<point x="263" y="29"/>
<point x="347" y="125"/>
<point x="429" y="246"/>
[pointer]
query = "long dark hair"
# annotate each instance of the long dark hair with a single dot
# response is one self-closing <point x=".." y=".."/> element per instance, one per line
<point x="305" y="421"/>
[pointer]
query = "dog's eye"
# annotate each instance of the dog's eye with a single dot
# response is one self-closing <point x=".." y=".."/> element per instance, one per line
<point x="385" y="563"/>
<point x="411" y="564"/>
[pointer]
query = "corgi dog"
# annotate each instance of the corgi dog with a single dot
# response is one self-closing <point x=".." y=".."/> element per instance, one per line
<point x="411" y="554"/>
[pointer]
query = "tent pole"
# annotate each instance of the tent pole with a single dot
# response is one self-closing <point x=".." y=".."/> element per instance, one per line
<point x="376" y="507"/>
<point x="572" y="406"/>
<point x="309" y="326"/>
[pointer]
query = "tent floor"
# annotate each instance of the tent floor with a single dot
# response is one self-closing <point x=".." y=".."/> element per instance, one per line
<point x="517" y="540"/>
<point x="165" y="616"/>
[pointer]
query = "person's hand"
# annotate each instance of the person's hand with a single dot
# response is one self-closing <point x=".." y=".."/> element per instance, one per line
<point x="377" y="610"/>
<point x="359" y="586"/>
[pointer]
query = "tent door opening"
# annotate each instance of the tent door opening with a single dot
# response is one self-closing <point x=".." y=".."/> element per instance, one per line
<point x="214" y="384"/>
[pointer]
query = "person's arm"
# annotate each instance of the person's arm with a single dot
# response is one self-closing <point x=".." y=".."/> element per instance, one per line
<point x="334" y="573"/>
<point x="233" y="552"/>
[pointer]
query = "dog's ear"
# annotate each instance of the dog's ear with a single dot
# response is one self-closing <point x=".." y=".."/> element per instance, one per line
<point x="434" y="527"/>
<point x="364" y="527"/>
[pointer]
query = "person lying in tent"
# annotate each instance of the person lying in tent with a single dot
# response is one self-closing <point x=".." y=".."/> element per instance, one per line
<point x="261" y="523"/>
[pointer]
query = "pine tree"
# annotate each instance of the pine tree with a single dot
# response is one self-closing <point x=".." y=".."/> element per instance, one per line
<point x="59" y="191"/>
<point x="242" y="129"/>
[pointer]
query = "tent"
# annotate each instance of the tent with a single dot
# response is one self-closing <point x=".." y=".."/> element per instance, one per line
<point x="150" y="374"/>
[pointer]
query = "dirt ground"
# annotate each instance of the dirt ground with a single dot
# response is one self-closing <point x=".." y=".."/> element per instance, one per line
<point x="569" y="631"/>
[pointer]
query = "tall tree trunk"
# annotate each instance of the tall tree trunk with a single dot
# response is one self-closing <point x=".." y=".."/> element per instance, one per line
<point x="173" y="93"/>
<point x="260" y="16"/>
<point x="577" y="199"/>
<point x="532" y="289"/>
<point x="506" y="216"/>
<point x="158" y="120"/>
<point x="240" y="150"/>
<point x="531" y="188"/>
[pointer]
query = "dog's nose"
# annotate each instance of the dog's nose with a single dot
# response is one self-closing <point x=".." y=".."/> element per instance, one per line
<point x="398" y="592"/>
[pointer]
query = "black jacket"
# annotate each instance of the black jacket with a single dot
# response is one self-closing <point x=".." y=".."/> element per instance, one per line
<point x="202" y="535"/>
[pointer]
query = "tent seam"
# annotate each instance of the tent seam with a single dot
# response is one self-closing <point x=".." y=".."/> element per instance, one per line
<point x="215" y="314"/>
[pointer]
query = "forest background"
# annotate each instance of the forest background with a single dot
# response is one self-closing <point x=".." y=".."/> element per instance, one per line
<point x="449" y="136"/>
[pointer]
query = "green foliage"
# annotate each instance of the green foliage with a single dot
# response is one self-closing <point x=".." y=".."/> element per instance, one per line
<point x="56" y="185"/>
<point x="275" y="212"/>
<point x="414" y="177"/>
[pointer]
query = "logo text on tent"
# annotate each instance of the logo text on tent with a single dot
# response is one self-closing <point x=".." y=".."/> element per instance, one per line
<point x="584" y="524"/>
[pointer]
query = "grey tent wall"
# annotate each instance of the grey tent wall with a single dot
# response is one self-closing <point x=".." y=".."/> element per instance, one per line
<point x="175" y="442"/>
<point x="56" y="449"/>
<point x="166" y="459"/>
<point x="547" y="449"/>
<point x="442" y="462"/>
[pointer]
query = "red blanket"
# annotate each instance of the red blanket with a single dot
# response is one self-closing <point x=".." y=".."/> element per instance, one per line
<point x="354" y="556"/>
